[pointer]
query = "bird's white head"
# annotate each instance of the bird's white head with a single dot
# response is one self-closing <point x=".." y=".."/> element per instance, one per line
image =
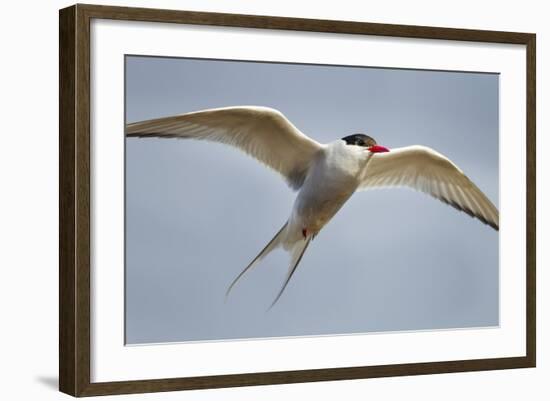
<point x="366" y="142"/>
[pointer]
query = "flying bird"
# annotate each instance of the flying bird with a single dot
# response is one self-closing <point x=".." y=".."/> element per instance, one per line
<point x="324" y="175"/>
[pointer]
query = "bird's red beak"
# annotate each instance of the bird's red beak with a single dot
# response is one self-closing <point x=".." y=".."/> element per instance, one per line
<point x="378" y="149"/>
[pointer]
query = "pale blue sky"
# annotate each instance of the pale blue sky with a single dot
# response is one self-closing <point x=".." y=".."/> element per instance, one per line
<point x="197" y="212"/>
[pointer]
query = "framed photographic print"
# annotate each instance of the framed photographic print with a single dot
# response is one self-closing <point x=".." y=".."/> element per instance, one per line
<point x="250" y="200"/>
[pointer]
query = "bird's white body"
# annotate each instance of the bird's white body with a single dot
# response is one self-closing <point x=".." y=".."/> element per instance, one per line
<point x="325" y="175"/>
<point x="333" y="177"/>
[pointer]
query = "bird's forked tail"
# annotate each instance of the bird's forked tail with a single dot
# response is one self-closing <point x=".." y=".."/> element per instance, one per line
<point x="296" y="250"/>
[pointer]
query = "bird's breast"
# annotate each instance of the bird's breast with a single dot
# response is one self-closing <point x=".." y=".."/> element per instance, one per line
<point x="331" y="181"/>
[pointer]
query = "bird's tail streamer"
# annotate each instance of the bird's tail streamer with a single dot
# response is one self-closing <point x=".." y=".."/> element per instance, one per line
<point x="297" y="250"/>
<point x="274" y="243"/>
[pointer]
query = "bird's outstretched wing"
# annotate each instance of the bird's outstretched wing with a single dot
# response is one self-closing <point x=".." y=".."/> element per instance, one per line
<point x="426" y="170"/>
<point x="261" y="132"/>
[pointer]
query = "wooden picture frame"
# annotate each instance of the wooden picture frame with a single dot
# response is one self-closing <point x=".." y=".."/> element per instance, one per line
<point x="74" y="200"/>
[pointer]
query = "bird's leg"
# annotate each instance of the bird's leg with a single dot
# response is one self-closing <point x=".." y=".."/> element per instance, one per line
<point x="304" y="232"/>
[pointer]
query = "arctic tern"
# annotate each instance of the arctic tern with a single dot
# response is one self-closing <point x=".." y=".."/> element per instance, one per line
<point x="325" y="175"/>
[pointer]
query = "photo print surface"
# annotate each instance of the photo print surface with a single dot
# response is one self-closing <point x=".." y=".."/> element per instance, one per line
<point x="197" y="212"/>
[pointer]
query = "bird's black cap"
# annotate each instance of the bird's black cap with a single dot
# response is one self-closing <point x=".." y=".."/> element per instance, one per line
<point x="359" y="140"/>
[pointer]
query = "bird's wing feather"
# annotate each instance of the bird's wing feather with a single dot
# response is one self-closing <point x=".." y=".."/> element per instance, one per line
<point x="426" y="170"/>
<point x="263" y="133"/>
